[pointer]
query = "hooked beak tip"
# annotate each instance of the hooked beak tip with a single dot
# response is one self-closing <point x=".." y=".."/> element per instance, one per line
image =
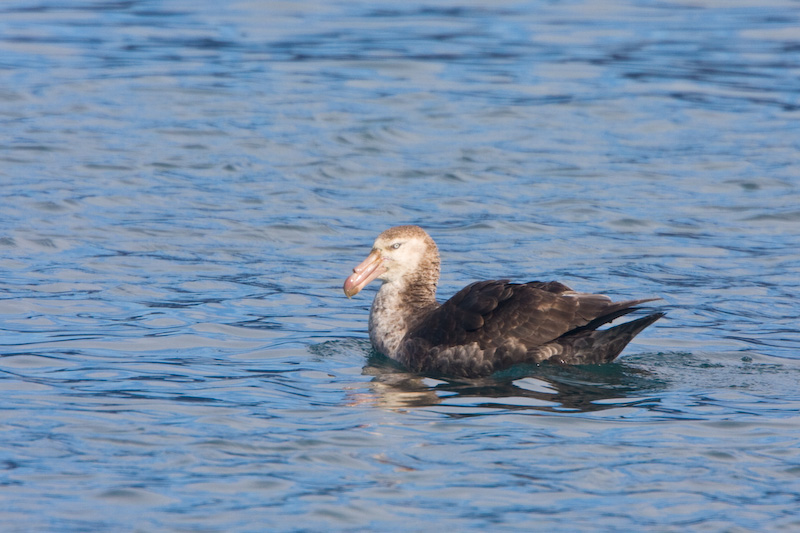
<point x="362" y="274"/>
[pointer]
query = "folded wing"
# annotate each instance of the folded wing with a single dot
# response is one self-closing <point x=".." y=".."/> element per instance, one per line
<point x="491" y="313"/>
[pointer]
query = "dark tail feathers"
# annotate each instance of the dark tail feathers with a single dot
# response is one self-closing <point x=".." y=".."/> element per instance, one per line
<point x="609" y="343"/>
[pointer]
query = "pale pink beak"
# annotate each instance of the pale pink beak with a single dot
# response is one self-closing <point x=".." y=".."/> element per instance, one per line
<point x="369" y="269"/>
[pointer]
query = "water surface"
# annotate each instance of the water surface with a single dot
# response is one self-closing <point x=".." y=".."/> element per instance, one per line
<point x="185" y="186"/>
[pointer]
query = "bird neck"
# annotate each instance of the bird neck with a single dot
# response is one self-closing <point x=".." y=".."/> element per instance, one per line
<point x="398" y="307"/>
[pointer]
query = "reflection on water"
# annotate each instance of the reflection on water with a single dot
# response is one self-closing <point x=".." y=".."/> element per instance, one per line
<point x="547" y="387"/>
<point x="186" y="184"/>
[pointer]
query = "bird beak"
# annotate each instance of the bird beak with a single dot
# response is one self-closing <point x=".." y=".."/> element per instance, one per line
<point x="369" y="269"/>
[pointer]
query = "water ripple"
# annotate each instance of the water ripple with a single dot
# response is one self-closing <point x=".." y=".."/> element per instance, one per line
<point x="185" y="188"/>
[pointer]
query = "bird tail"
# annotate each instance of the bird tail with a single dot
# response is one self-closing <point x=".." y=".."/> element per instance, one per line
<point x="609" y="343"/>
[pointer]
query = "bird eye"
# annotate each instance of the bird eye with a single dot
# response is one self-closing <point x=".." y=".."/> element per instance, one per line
<point x="396" y="245"/>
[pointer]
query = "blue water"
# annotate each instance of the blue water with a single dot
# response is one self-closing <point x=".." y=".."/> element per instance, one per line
<point x="185" y="186"/>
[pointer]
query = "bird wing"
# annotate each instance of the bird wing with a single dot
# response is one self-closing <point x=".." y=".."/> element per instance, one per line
<point x="492" y="312"/>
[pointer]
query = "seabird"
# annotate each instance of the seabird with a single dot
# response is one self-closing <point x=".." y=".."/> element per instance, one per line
<point x="488" y="325"/>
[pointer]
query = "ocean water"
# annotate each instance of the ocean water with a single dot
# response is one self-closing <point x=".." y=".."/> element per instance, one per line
<point x="186" y="185"/>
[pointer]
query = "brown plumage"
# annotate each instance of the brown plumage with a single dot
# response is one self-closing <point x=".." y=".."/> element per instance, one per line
<point x="488" y="325"/>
